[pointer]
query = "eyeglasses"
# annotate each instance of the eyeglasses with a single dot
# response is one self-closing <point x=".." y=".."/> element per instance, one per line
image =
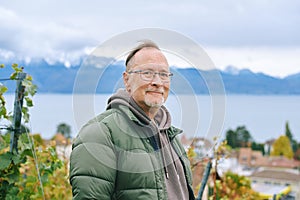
<point x="148" y="75"/>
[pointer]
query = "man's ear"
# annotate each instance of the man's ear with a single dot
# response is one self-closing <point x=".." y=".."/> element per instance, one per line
<point x="125" y="79"/>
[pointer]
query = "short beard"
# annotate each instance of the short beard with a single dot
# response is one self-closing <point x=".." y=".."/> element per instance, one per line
<point x="155" y="104"/>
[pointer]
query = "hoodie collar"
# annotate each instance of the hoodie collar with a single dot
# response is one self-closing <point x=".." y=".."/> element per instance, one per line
<point x="122" y="97"/>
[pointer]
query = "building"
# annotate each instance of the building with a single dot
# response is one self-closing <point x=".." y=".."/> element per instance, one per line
<point x="250" y="158"/>
<point x="269" y="182"/>
<point x="271" y="175"/>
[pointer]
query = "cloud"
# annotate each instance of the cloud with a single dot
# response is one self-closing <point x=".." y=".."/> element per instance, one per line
<point x="61" y="31"/>
<point x="51" y="40"/>
<point x="10" y="26"/>
<point x="279" y="61"/>
<point x="229" y="22"/>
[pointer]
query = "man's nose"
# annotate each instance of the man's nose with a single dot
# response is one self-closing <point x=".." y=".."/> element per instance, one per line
<point x="156" y="79"/>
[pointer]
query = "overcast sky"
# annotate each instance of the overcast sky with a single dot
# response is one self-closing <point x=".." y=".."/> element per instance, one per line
<point x="262" y="35"/>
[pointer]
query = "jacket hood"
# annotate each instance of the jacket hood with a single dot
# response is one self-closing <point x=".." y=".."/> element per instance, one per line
<point x="122" y="97"/>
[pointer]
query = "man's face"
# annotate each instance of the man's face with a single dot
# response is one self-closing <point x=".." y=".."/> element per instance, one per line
<point x="152" y="93"/>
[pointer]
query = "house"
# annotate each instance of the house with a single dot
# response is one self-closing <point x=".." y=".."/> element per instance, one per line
<point x="283" y="162"/>
<point x="268" y="146"/>
<point x="269" y="182"/>
<point x="250" y="158"/>
<point x="203" y="147"/>
<point x="271" y="175"/>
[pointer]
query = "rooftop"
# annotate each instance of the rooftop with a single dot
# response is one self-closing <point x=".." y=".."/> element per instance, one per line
<point x="276" y="174"/>
<point x="268" y="189"/>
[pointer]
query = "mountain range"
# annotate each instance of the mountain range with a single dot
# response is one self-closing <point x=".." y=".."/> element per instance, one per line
<point x="57" y="78"/>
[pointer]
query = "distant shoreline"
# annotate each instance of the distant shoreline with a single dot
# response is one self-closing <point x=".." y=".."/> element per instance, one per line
<point x="61" y="80"/>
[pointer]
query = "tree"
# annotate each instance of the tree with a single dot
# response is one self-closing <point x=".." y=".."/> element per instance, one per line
<point x="288" y="133"/>
<point x="231" y="138"/>
<point x="240" y="137"/>
<point x="243" y="136"/>
<point x="282" y="147"/>
<point x="64" y="129"/>
<point x="258" y="147"/>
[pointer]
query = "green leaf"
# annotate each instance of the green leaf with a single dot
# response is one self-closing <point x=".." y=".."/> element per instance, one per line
<point x="2" y="143"/>
<point x="2" y="99"/>
<point x="2" y="112"/>
<point x="11" y="197"/>
<point x="31" y="179"/>
<point x="13" y="76"/>
<point x="29" y="101"/>
<point x="16" y="67"/>
<point x="6" y="138"/>
<point x="52" y="151"/>
<point x="15" y="175"/>
<point x="16" y="159"/>
<point x="5" y="160"/>
<point x="29" y="87"/>
<point x="28" y="77"/>
<point x="27" y="152"/>
<point x="3" y="89"/>
<point x="25" y="114"/>
<point x="2" y="65"/>
<point x="44" y="178"/>
<point x="24" y="139"/>
<point x="32" y="90"/>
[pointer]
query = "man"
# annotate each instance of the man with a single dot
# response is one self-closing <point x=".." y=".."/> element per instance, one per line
<point x="131" y="150"/>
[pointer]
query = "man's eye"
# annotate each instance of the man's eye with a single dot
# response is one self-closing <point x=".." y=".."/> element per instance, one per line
<point x="165" y="75"/>
<point x="147" y="73"/>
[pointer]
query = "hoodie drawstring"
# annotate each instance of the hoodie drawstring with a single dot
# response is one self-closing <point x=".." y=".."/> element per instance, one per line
<point x="162" y="147"/>
<point x="163" y="156"/>
<point x="172" y="155"/>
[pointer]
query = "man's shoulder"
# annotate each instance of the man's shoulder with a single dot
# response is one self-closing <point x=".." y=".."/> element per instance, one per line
<point x="97" y="127"/>
<point x="107" y="117"/>
<point x="105" y="114"/>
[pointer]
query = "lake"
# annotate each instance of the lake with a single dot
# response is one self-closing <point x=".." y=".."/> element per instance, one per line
<point x="198" y="116"/>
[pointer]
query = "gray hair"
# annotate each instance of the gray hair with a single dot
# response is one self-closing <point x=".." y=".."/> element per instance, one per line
<point x="144" y="44"/>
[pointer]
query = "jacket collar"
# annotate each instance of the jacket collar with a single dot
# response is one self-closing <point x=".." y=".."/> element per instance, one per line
<point x="122" y="100"/>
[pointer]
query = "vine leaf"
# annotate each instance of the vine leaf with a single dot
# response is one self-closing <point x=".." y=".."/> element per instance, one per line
<point x="6" y="159"/>
<point x="3" y="89"/>
<point x="28" y="101"/>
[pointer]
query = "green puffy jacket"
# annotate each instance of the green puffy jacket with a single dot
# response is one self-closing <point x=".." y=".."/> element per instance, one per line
<point x="114" y="157"/>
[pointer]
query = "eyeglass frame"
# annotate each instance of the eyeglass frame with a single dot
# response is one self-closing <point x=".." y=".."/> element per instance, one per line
<point x="160" y="74"/>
